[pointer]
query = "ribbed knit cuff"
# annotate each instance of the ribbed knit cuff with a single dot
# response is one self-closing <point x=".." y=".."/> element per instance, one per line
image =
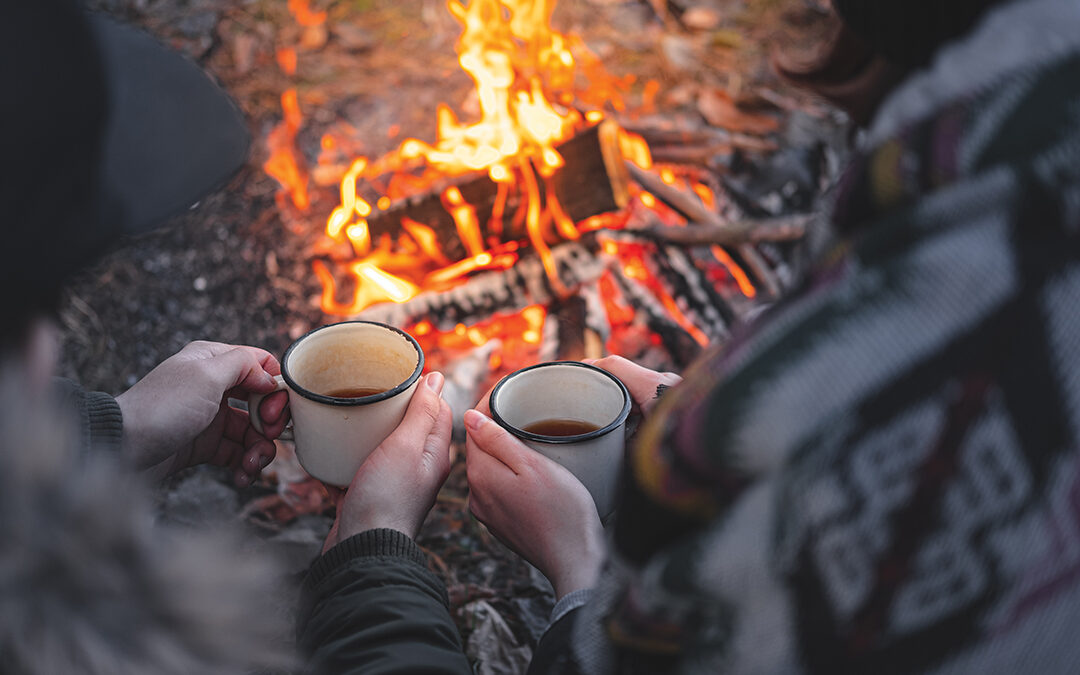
<point x="105" y="421"/>
<point x="369" y="544"/>
<point x="569" y="603"/>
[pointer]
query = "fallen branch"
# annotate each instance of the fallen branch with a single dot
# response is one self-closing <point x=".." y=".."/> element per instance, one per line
<point x="789" y="228"/>
<point x="660" y="137"/>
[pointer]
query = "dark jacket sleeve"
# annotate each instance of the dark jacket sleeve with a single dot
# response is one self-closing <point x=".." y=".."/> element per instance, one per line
<point x="97" y="414"/>
<point x="371" y="605"/>
<point x="552" y="654"/>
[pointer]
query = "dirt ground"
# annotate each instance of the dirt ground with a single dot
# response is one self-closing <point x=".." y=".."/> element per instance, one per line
<point x="237" y="268"/>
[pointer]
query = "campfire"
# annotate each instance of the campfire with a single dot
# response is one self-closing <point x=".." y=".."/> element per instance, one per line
<point x="547" y="224"/>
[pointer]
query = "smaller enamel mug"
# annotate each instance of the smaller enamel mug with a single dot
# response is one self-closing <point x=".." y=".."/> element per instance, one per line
<point x="576" y="393"/>
<point x="334" y="434"/>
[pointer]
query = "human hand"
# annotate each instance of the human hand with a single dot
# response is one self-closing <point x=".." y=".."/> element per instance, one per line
<point x="179" y="415"/>
<point x="397" y="484"/>
<point x="644" y="384"/>
<point x="532" y="504"/>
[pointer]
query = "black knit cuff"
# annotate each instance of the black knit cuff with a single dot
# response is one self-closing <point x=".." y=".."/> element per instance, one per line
<point x="105" y="421"/>
<point x="370" y="543"/>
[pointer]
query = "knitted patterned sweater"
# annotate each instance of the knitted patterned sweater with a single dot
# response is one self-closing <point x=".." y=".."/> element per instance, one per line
<point x="883" y="474"/>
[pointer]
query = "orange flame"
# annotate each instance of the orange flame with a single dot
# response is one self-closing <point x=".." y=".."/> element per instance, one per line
<point x="303" y="14"/>
<point x="282" y="163"/>
<point x="286" y="60"/>
<point x="515" y="59"/>
<point x="511" y="53"/>
<point x="464" y="215"/>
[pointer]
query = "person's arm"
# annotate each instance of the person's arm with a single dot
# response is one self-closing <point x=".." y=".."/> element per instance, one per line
<point x="97" y="414"/>
<point x="552" y="653"/>
<point x="370" y="604"/>
<point x="508" y="484"/>
<point x="179" y="414"/>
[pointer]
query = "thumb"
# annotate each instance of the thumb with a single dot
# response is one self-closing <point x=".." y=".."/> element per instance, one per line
<point x="495" y="441"/>
<point x="421" y="417"/>
<point x="240" y="369"/>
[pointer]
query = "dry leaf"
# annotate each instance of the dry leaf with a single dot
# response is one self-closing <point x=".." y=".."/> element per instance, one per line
<point x="726" y="39"/>
<point x="243" y="52"/>
<point x="719" y="110"/>
<point x="354" y="38"/>
<point x="314" y="37"/>
<point x="682" y="94"/>
<point x="679" y="52"/>
<point x="700" y="18"/>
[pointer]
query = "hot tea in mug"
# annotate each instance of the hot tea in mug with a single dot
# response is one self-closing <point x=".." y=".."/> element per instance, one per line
<point x="573" y="413"/>
<point x="349" y="385"/>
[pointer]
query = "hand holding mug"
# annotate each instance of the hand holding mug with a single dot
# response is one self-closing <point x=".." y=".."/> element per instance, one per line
<point x="572" y="413"/>
<point x="349" y="385"/>
<point x="397" y="484"/>
<point x="532" y="504"/>
<point x="178" y="415"/>
<point x="644" y="384"/>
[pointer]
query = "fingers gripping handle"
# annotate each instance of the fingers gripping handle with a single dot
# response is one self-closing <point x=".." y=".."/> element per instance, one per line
<point x="255" y="400"/>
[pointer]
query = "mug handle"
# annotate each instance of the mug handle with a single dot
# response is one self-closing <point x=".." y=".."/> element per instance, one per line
<point x="253" y="410"/>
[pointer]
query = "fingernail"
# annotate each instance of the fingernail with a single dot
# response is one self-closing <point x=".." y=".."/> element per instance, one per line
<point x="435" y="381"/>
<point x="475" y="420"/>
<point x="264" y="460"/>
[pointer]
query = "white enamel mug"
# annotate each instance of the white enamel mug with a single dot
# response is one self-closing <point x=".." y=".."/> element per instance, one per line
<point x="335" y="434"/>
<point x="578" y="392"/>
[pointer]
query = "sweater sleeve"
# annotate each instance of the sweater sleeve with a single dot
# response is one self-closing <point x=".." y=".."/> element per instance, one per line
<point x="371" y="605"/>
<point x="97" y="414"/>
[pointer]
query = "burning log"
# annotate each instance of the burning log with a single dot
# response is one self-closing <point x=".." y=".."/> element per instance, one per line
<point x="592" y="181"/>
<point x="568" y="333"/>
<point x="678" y="341"/>
<point x="686" y="283"/>
<point x="694" y="211"/>
<point x="490" y="293"/>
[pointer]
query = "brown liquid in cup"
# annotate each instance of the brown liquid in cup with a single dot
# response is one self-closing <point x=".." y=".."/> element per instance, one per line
<point x="355" y="392"/>
<point x="558" y="427"/>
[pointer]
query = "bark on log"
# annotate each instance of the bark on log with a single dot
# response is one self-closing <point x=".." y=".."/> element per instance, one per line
<point x="592" y="181"/>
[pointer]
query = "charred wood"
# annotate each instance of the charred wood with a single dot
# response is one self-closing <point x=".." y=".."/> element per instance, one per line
<point x="592" y="181"/>
<point x="490" y="293"/>
<point x="694" y="211"/>
<point x="687" y="284"/>
<point x="676" y="340"/>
